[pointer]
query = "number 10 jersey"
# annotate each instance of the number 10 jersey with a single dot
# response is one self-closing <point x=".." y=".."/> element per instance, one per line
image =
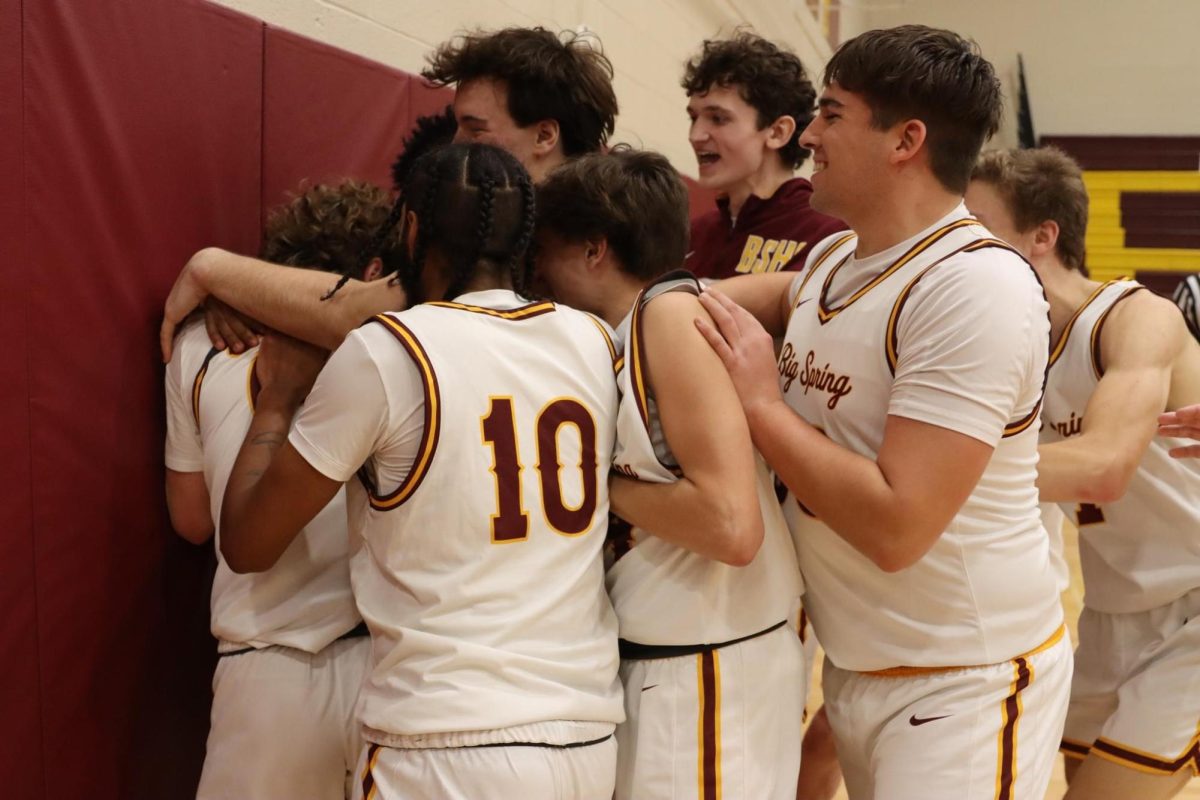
<point x="480" y="573"/>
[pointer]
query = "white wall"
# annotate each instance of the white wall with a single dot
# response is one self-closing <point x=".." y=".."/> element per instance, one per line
<point x="648" y="41"/>
<point x="1092" y="66"/>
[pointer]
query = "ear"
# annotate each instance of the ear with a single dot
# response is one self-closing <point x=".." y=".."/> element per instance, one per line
<point x="1045" y="239"/>
<point x="410" y="232"/>
<point x="373" y="270"/>
<point x="910" y="140"/>
<point x="545" y="136"/>
<point x="780" y="132"/>
<point x="595" y="251"/>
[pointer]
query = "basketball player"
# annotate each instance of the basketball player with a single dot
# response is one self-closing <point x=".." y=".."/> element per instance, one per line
<point x="483" y="425"/>
<point x="704" y="582"/>
<point x="1121" y="356"/>
<point x="748" y="101"/>
<point x="293" y="647"/>
<point x="542" y="97"/>
<point x="902" y="416"/>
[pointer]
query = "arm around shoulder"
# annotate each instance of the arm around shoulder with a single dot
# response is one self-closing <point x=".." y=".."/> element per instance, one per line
<point x="713" y="509"/>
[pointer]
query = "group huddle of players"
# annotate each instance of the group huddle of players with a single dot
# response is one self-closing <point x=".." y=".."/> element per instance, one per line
<point x="504" y="546"/>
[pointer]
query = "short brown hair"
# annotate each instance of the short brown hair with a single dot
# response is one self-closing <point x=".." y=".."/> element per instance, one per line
<point x="633" y="198"/>
<point x="333" y="228"/>
<point x="563" y="78"/>
<point x="936" y="76"/>
<point x="769" y="78"/>
<point x="1039" y="185"/>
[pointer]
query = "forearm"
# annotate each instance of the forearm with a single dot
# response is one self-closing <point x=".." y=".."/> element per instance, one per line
<point x="249" y="541"/>
<point x="681" y="513"/>
<point x="764" y="296"/>
<point x="1081" y="470"/>
<point x="288" y="299"/>
<point x="846" y="491"/>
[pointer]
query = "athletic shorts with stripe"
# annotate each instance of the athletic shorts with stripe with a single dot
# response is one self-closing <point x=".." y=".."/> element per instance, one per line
<point x="1135" y="698"/>
<point x="517" y="771"/>
<point x="971" y="733"/>
<point x="722" y="723"/>
<point x="284" y="724"/>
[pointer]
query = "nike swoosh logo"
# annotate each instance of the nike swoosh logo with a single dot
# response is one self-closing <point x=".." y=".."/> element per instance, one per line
<point x="648" y="688"/>
<point x="915" y="721"/>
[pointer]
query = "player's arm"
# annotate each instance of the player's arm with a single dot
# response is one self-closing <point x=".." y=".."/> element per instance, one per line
<point x="281" y="480"/>
<point x="891" y="509"/>
<point x="287" y="299"/>
<point x="912" y="490"/>
<point x="713" y="508"/>
<point x="188" y="506"/>
<point x="187" y="494"/>
<point x="1183" y="423"/>
<point x="1139" y="344"/>
<point x="766" y="296"/>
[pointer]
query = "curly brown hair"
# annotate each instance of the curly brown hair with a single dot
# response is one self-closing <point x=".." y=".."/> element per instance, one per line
<point x="559" y="77"/>
<point x="934" y="75"/>
<point x="333" y="228"/>
<point x="771" y="79"/>
<point x="1038" y="185"/>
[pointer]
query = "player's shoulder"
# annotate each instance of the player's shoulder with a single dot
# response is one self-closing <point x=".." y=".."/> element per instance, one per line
<point x="191" y="347"/>
<point x="1138" y="311"/>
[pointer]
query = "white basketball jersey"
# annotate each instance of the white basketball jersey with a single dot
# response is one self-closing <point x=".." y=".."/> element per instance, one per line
<point x="304" y="601"/>
<point x="482" y="580"/>
<point x="985" y="591"/>
<point x="1143" y="551"/>
<point x="664" y="594"/>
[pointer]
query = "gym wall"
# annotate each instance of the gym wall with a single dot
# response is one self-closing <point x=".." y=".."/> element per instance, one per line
<point x="1104" y="68"/>
<point x="134" y="132"/>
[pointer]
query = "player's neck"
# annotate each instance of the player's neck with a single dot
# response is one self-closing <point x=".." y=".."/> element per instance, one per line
<point x="619" y="300"/>
<point x="895" y="217"/>
<point x="1067" y="289"/>
<point x="763" y="184"/>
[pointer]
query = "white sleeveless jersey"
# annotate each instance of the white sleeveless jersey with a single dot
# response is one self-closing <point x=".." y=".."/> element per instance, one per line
<point x="482" y="580"/>
<point x="1143" y="551"/>
<point x="664" y="594"/>
<point x="304" y="601"/>
<point x="985" y="592"/>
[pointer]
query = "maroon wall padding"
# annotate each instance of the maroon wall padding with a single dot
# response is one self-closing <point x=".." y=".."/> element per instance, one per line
<point x="20" y="692"/>
<point x="132" y="133"/>
<point x="142" y="144"/>
<point x="327" y="114"/>
<point x="425" y="99"/>
<point x="1130" y="152"/>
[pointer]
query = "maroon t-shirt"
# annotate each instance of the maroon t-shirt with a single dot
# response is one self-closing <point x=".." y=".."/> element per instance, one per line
<point x="769" y="235"/>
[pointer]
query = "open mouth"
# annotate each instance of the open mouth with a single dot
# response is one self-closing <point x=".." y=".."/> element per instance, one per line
<point x="707" y="159"/>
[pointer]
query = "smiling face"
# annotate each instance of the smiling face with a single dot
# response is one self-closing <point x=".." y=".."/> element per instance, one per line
<point x="481" y="109"/>
<point x="850" y="155"/>
<point x="730" y="149"/>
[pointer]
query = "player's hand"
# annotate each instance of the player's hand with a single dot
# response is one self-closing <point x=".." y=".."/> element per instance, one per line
<point x="228" y="327"/>
<point x="287" y="367"/>
<point x="185" y="296"/>
<point x="744" y="346"/>
<point x="1183" y="423"/>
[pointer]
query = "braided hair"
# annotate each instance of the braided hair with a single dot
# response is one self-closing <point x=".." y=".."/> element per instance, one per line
<point x="474" y="205"/>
